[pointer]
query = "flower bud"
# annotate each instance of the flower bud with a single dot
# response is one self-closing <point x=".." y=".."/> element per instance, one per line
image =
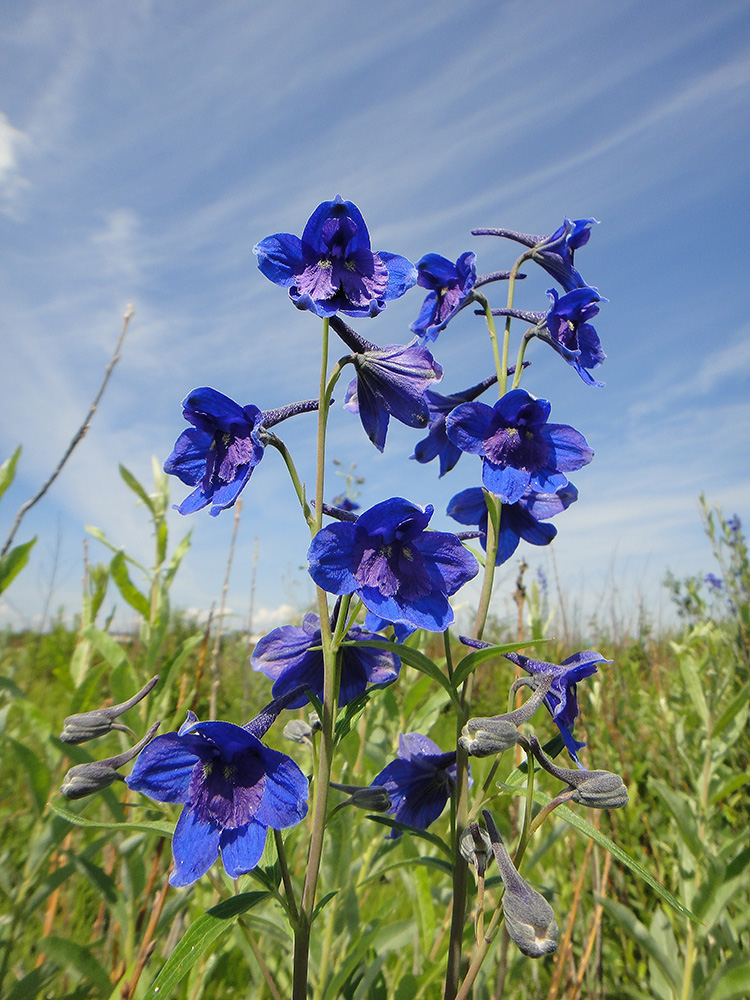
<point x="88" y="725"/>
<point x="475" y="847"/>
<point x="595" y="789"/>
<point x="529" y="919"/>
<point x="298" y="731"/>
<point x="373" y="798"/>
<point x="85" y="779"/>
<point x="482" y="737"/>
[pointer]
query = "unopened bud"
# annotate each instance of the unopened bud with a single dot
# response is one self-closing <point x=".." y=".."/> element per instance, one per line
<point x="88" y="725"/>
<point x="85" y="779"/>
<point x="373" y="798"/>
<point x="298" y="731"/>
<point x="475" y="847"/>
<point x="529" y="919"/>
<point x="483" y="737"/>
<point x="595" y="789"/>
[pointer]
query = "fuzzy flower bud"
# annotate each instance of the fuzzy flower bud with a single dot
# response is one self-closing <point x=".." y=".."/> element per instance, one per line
<point x="85" y="779"/>
<point x="483" y="737"/>
<point x="88" y="725"/>
<point x="595" y="789"/>
<point x="529" y="918"/>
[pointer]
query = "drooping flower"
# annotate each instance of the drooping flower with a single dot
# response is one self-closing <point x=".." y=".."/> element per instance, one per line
<point x="519" y="520"/>
<point x="287" y="656"/>
<point x="218" y="453"/>
<point x="332" y="267"/>
<point x="419" y="781"/>
<point x="450" y="288"/>
<point x="401" y="571"/>
<point x="391" y="382"/>
<point x="232" y="787"/>
<point x="571" y="334"/>
<point x="519" y="449"/>
<point x="554" y="253"/>
<point x="561" y="699"/>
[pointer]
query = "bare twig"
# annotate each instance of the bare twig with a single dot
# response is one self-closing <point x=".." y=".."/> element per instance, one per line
<point x="77" y="437"/>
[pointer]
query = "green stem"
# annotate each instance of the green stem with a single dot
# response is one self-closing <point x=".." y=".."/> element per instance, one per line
<point x="521" y="354"/>
<point x="299" y="486"/>
<point x="460" y="869"/>
<point x="501" y="363"/>
<point x="330" y="698"/>
<point x="286" y="877"/>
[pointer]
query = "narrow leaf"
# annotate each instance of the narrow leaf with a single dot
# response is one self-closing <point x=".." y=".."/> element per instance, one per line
<point x="8" y="470"/>
<point x="134" y="826"/>
<point x="470" y="662"/>
<point x="127" y="588"/>
<point x="13" y="562"/>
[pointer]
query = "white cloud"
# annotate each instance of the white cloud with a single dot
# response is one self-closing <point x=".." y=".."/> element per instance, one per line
<point x="12" y="183"/>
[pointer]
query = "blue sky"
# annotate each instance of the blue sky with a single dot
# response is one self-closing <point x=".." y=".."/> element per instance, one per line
<point x="146" y="147"/>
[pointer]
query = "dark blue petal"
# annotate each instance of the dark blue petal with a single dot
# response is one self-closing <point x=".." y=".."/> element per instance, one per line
<point x="285" y="792"/>
<point x="280" y="258"/>
<point x="195" y="847"/>
<point x="402" y="274"/>
<point x="331" y="558"/>
<point x="242" y="848"/>
<point x="164" y="768"/>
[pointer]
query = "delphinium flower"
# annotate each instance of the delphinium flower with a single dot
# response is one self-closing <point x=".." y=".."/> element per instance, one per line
<point x="401" y="571"/>
<point x="554" y="253"/>
<point x="529" y="919"/>
<point x="419" y="781"/>
<point x="561" y="700"/>
<point x="332" y="267"/>
<point x="287" y="655"/>
<point x="219" y="452"/>
<point x="450" y="288"/>
<point x="566" y="328"/>
<point x="519" y="520"/>
<point x="519" y="448"/>
<point x="391" y="382"/>
<point x="233" y="789"/>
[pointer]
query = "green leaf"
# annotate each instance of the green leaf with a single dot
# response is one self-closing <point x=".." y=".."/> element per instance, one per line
<point x="127" y="588"/>
<point x="109" y="648"/>
<point x="734" y="707"/>
<point x="31" y="985"/>
<point x="136" y="487"/>
<point x="13" y="562"/>
<point x="584" y="827"/>
<point x="38" y="773"/>
<point x="75" y="956"/>
<point x="8" y="470"/>
<point x="734" y="983"/>
<point x="134" y="826"/>
<point x="199" y="937"/>
<point x="405" y="828"/>
<point x="683" y="810"/>
<point x="470" y="662"/>
<point x="627" y="920"/>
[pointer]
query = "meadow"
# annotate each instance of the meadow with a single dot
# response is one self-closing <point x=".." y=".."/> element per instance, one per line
<point x="653" y="900"/>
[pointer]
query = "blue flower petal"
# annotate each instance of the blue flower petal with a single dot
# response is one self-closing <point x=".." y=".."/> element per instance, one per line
<point x="195" y="847"/>
<point x="280" y="258"/>
<point x="242" y="848"/>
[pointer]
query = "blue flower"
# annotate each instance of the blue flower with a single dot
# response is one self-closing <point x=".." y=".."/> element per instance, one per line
<point x="450" y="289"/>
<point x="561" y="699"/>
<point x="571" y="334"/>
<point x="232" y="787"/>
<point x="420" y="781"/>
<point x="519" y="449"/>
<point x="401" y="571"/>
<point x="345" y="503"/>
<point x="218" y="453"/>
<point x="517" y="520"/>
<point x="391" y="382"/>
<point x="332" y="267"/>
<point x="287" y="656"/>
<point x="554" y="253"/>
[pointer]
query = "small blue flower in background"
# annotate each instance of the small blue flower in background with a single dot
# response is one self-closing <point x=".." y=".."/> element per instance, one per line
<point x="287" y="657"/>
<point x="401" y="571"/>
<point x="420" y="781"/>
<point x="554" y="253"/>
<point x="714" y="582"/>
<point x="345" y="503"/>
<point x="570" y="332"/>
<point x="450" y="289"/>
<point x="561" y="699"/>
<point x="519" y="449"/>
<point x="519" y="520"/>
<point x="218" y="453"/>
<point x="333" y="267"/>
<point x="232" y="786"/>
